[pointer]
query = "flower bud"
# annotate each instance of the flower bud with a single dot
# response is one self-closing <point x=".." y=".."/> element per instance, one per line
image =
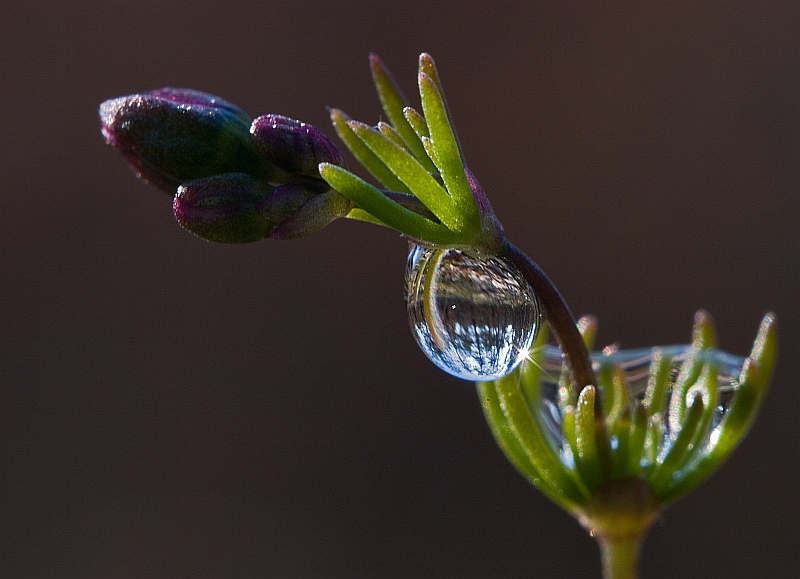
<point x="294" y="146"/>
<point x="237" y="208"/>
<point x="223" y="208"/>
<point x="171" y="136"/>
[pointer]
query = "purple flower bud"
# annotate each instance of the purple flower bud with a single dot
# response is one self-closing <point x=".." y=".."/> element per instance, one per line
<point x="223" y="208"/>
<point x="294" y="146"/>
<point x="237" y="208"/>
<point x="170" y="136"/>
<point x="187" y="96"/>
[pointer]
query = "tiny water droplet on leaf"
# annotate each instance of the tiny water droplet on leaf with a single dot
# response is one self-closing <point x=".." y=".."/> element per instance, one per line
<point x="474" y="318"/>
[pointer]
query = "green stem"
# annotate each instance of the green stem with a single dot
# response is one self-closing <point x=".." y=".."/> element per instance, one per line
<point x="620" y="556"/>
<point x="619" y="515"/>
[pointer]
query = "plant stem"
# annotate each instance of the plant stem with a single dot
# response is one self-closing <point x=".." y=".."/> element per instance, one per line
<point x="569" y="339"/>
<point x="560" y="318"/>
<point x="620" y="556"/>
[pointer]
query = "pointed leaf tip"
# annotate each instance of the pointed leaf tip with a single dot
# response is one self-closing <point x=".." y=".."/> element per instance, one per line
<point x="704" y="333"/>
<point x="765" y="348"/>
<point x="587" y="326"/>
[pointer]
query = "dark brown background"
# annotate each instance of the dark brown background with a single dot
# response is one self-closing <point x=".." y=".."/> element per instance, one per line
<point x="173" y="408"/>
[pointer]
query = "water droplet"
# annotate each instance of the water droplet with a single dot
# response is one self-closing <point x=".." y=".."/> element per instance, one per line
<point x="474" y="318"/>
<point x="636" y="366"/>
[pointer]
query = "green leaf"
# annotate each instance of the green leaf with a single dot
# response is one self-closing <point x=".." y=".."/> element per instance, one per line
<point x="390" y="213"/>
<point x="364" y="154"/>
<point x="587" y="326"/>
<point x="730" y="431"/>
<point x="431" y="151"/>
<point x="654" y="440"/>
<point x="587" y="460"/>
<point x="359" y="214"/>
<point x="706" y="387"/>
<point x="414" y="175"/>
<point x="388" y="131"/>
<point x="393" y="102"/>
<point x="508" y="442"/>
<point x="704" y="335"/>
<point x="753" y="383"/>
<point x="428" y="67"/>
<point x="615" y="390"/>
<point x="688" y="375"/>
<point x="526" y="429"/>
<point x="417" y="122"/>
<point x="636" y="439"/>
<point x="655" y="397"/>
<point x="448" y="155"/>
<point x="765" y="349"/>
<point x="621" y="429"/>
<point x="530" y="374"/>
<point x="660" y="476"/>
<point x="530" y="370"/>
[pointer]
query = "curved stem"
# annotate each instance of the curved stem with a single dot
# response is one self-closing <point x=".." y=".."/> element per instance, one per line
<point x="569" y="339"/>
<point x="560" y="318"/>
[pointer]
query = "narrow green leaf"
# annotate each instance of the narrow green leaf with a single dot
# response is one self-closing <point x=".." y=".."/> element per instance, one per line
<point x="727" y="435"/>
<point x="448" y="155"/>
<point x="587" y="460"/>
<point x="390" y="213"/>
<point x="655" y="397"/>
<point x="704" y="334"/>
<point x="358" y="214"/>
<point x="508" y="442"/>
<point x="388" y="131"/>
<point x="661" y="475"/>
<point x="531" y="373"/>
<point x="568" y="429"/>
<point x="587" y="326"/>
<point x="654" y="440"/>
<point x="414" y="175"/>
<point x="765" y="349"/>
<point x="428" y="67"/>
<point x="364" y="154"/>
<point x="531" y="368"/>
<point x="534" y="442"/>
<point x="706" y="387"/>
<point x="430" y="150"/>
<point x="619" y="386"/>
<point x="417" y="122"/>
<point x="621" y="430"/>
<point x="393" y="102"/>
<point x="688" y="375"/>
<point x="636" y="439"/>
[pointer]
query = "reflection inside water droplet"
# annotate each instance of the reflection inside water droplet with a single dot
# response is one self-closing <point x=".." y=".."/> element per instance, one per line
<point x="474" y="318"/>
<point x="636" y="365"/>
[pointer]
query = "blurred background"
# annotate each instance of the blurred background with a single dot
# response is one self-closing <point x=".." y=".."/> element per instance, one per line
<point x="174" y="408"/>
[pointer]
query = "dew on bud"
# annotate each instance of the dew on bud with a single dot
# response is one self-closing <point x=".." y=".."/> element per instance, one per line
<point x="474" y="318"/>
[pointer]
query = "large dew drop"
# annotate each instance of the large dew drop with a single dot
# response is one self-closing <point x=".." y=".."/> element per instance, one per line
<point x="636" y="364"/>
<point x="474" y="318"/>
